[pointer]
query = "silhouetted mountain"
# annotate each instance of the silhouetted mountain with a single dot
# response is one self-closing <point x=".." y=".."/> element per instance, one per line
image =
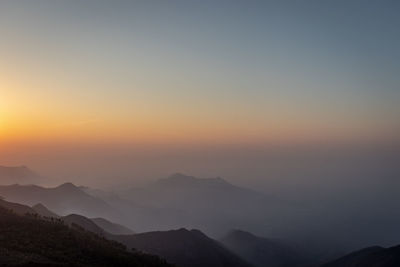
<point x="262" y="251"/>
<point x="83" y="222"/>
<point x="112" y="228"/>
<point x="17" y="208"/>
<point x="18" y="175"/>
<point x="369" y="257"/>
<point x="31" y="241"/>
<point x="187" y="201"/>
<point x="43" y="211"/>
<point x="184" y="248"/>
<point x="63" y="200"/>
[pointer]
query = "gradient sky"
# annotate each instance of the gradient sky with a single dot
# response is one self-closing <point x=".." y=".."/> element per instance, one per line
<point x="199" y="71"/>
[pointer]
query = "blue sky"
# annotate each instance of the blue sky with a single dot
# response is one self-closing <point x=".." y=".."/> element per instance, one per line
<point x="201" y="70"/>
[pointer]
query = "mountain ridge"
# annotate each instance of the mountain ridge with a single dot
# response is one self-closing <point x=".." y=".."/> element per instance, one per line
<point x="260" y="251"/>
<point x="185" y="248"/>
<point x="18" y="175"/>
<point x="375" y="256"/>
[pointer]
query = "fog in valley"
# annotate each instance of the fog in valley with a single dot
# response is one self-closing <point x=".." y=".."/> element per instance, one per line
<point x="343" y="197"/>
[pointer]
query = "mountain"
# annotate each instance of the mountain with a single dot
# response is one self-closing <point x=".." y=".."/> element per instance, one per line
<point x="31" y="241"/>
<point x="184" y="248"/>
<point x="63" y="200"/>
<point x="369" y="257"/>
<point x="261" y="251"/>
<point x="17" y="208"/>
<point x="93" y="225"/>
<point x="18" y="175"/>
<point x="201" y="203"/>
<point x="43" y="211"/>
<point x="112" y="228"/>
<point x="85" y="223"/>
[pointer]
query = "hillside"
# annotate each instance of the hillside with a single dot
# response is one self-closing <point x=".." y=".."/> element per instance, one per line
<point x="83" y="222"/>
<point x="62" y="200"/>
<point x="369" y="257"/>
<point x="30" y="241"/>
<point x="261" y="251"/>
<point x="43" y="211"/>
<point x="92" y="225"/>
<point x="184" y="248"/>
<point x="17" y="208"/>
<point x="112" y="228"/>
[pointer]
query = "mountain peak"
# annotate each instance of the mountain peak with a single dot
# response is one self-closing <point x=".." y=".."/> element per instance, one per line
<point x="44" y="211"/>
<point x="17" y="174"/>
<point x="68" y="187"/>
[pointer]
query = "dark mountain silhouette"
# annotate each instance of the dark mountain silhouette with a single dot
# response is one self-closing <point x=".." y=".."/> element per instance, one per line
<point x="32" y="241"/>
<point x="17" y="208"/>
<point x="63" y="200"/>
<point x="184" y="248"/>
<point x="83" y="222"/>
<point x="192" y="202"/>
<point x="18" y="175"/>
<point x="92" y="225"/>
<point x="261" y="251"/>
<point x="43" y="211"/>
<point x="369" y="257"/>
<point x="112" y="228"/>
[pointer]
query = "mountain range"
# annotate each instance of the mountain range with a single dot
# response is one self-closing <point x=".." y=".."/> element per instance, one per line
<point x="18" y="175"/>
<point x="63" y="200"/>
<point x="182" y="247"/>
<point x="202" y="203"/>
<point x="181" y="202"/>
<point x="28" y="240"/>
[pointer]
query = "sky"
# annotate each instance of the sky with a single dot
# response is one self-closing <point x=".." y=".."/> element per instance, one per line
<point x="107" y="75"/>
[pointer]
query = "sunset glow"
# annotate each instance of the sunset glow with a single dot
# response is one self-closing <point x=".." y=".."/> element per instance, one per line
<point x="56" y="87"/>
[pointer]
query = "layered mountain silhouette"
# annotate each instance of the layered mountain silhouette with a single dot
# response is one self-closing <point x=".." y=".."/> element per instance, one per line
<point x="98" y="226"/>
<point x="17" y="208"/>
<point x="184" y="248"/>
<point x="112" y="228"/>
<point x="85" y="223"/>
<point x="63" y="200"/>
<point x="31" y="241"/>
<point x="171" y="203"/>
<point x="18" y="175"/>
<point x="44" y="211"/>
<point x="209" y="204"/>
<point x="369" y="257"/>
<point x="261" y="251"/>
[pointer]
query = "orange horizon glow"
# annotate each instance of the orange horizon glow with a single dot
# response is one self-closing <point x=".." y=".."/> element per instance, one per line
<point x="28" y="118"/>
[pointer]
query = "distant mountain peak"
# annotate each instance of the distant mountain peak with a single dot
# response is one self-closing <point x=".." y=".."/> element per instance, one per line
<point x="18" y="174"/>
<point x="180" y="176"/>
<point x="67" y="186"/>
<point x="186" y="231"/>
<point x="40" y="206"/>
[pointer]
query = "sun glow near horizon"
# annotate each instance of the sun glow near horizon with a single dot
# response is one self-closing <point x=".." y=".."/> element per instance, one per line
<point x="153" y="79"/>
